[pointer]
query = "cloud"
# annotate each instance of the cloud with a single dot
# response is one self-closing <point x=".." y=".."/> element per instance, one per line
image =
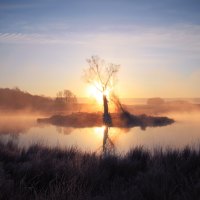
<point x="179" y="40"/>
<point x="184" y="37"/>
<point x="35" y="38"/>
<point x="181" y="36"/>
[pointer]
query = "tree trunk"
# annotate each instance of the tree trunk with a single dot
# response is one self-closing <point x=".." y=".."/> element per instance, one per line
<point x="105" y="104"/>
<point x="106" y="116"/>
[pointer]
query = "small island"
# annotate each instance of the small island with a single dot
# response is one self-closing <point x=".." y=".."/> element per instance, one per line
<point x="83" y="119"/>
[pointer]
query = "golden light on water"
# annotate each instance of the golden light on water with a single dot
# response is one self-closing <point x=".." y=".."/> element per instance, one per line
<point x="99" y="131"/>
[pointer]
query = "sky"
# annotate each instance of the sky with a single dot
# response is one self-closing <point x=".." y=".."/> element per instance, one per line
<point x="44" y="45"/>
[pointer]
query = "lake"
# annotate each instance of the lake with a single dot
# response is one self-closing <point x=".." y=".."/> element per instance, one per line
<point x="25" y="131"/>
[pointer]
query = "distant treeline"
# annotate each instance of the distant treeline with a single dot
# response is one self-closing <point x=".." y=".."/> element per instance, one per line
<point x="159" y="106"/>
<point x="17" y="100"/>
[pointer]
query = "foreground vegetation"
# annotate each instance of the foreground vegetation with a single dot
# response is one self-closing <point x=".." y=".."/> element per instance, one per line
<point x="45" y="173"/>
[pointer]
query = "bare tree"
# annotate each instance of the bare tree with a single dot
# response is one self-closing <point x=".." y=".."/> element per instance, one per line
<point x="66" y="100"/>
<point x="102" y="76"/>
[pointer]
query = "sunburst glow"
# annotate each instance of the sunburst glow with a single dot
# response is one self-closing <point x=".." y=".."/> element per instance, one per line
<point x="94" y="90"/>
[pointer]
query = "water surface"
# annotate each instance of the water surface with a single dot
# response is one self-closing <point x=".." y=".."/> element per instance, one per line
<point x="25" y="132"/>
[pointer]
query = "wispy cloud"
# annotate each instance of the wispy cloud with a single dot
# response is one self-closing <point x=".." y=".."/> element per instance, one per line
<point x="35" y="38"/>
<point x="180" y="37"/>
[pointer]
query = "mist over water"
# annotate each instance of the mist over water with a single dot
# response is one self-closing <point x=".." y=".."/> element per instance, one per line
<point x="25" y="131"/>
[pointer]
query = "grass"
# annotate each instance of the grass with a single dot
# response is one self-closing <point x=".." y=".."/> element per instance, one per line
<point x="44" y="173"/>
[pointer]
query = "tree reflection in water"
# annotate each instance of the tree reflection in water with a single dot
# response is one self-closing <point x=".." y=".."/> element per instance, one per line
<point x="108" y="145"/>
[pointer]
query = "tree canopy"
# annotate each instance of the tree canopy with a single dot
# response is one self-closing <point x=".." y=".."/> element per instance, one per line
<point x="100" y="73"/>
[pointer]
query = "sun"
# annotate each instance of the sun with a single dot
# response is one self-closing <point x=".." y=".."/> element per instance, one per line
<point x="94" y="91"/>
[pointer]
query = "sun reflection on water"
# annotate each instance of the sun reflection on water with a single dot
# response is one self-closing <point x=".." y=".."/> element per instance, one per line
<point x="99" y="132"/>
